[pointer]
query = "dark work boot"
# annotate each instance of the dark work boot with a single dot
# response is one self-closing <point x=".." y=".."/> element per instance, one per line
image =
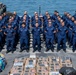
<point x="27" y="50"/>
<point x="21" y="49"/>
<point x="73" y="50"/>
<point x="52" y="49"/>
<point x="34" y="49"/>
<point x="7" y="51"/>
<point x="58" y="49"/>
<point x="47" y="50"/>
<point x="64" y="50"/>
<point x="39" y="50"/>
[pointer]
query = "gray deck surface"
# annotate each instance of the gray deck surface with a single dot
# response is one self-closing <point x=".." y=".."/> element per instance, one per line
<point x="10" y="57"/>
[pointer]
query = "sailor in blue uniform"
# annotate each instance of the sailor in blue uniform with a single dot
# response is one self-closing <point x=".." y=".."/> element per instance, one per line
<point x="26" y="21"/>
<point x="1" y="36"/>
<point x="10" y="37"/>
<point x="5" y="17"/>
<point x="27" y="16"/>
<point x="45" y="16"/>
<point x="64" y="17"/>
<point x="1" y="31"/>
<point x="16" y="17"/>
<point x="15" y="26"/>
<point x="1" y="21"/>
<point x="33" y="17"/>
<point x="54" y="16"/>
<point x="45" y="23"/>
<point x="74" y="15"/>
<point x="62" y="30"/>
<point x="49" y="33"/>
<point x="74" y="36"/>
<point x="36" y="31"/>
<point x="9" y="22"/>
<point x="69" y="25"/>
<point x="37" y="20"/>
<point x="24" y="38"/>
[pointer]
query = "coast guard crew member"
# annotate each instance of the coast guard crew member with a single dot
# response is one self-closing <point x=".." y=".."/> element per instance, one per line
<point x="62" y="30"/>
<point x="24" y="38"/>
<point x="27" y="16"/>
<point x="1" y="35"/>
<point x="10" y="37"/>
<point x="33" y="17"/>
<point x="1" y="31"/>
<point x="36" y="31"/>
<point x="74" y="36"/>
<point x="49" y="33"/>
<point x="36" y="20"/>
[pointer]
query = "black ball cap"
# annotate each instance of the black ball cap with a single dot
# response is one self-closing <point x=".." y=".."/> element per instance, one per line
<point x="23" y="23"/>
<point x="9" y="24"/>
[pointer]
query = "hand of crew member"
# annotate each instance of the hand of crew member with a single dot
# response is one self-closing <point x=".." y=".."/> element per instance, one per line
<point x="54" y="32"/>
<point x="1" y="30"/>
<point x="5" y="33"/>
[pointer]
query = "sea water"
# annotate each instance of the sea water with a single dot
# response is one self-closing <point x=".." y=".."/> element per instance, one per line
<point x="46" y="5"/>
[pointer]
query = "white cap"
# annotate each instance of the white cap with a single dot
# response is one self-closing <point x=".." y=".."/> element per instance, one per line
<point x="35" y="12"/>
<point x="14" y="13"/>
<point x="25" y="12"/>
